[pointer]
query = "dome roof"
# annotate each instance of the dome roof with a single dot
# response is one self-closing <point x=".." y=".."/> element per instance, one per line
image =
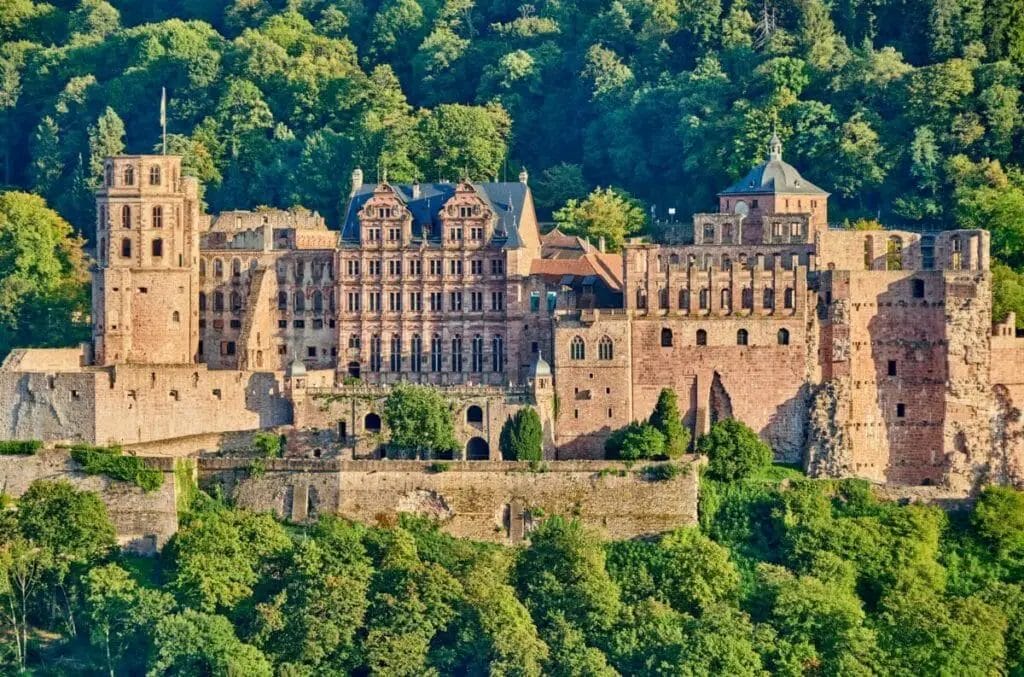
<point x="773" y="176"/>
<point x="296" y="368"/>
<point x="540" y="367"/>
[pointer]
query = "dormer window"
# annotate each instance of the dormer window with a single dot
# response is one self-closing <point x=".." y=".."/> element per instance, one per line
<point x="465" y="212"/>
<point x="384" y="212"/>
<point x="154" y="175"/>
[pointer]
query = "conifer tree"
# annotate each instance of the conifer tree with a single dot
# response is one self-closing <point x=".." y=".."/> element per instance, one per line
<point x="666" y="418"/>
<point x="106" y="138"/>
<point x="522" y="436"/>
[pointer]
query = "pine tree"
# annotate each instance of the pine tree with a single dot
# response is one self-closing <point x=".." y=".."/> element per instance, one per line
<point x="46" y="160"/>
<point x="522" y="438"/>
<point x="106" y="138"/>
<point x="666" y="419"/>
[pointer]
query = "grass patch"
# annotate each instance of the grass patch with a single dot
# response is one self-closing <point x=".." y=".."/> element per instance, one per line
<point x="20" y="447"/>
<point x="112" y="462"/>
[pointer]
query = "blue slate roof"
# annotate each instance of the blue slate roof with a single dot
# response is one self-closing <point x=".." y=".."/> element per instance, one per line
<point x="506" y="200"/>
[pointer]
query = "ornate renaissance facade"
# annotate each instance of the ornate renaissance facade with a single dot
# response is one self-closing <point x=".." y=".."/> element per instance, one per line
<point x="864" y="353"/>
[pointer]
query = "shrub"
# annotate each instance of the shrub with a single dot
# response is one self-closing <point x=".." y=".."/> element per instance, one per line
<point x="734" y="451"/>
<point x="661" y="472"/>
<point x="257" y="467"/>
<point x="19" y="447"/>
<point x="522" y="438"/>
<point x="267" y="445"/>
<point x="635" y="441"/>
<point x="438" y="466"/>
<point x="112" y="462"/>
<point x="420" y="420"/>
<point x="666" y="419"/>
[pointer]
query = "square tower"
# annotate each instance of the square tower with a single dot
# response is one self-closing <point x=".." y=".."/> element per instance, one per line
<point x="147" y="248"/>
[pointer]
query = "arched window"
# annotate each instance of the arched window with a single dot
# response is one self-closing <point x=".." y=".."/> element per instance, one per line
<point x="726" y="263"/>
<point x="108" y="175"/>
<point x="498" y="354"/>
<point x="474" y="414"/>
<point x="126" y="247"/>
<point x="702" y="337"/>
<point x="705" y="298"/>
<point x="727" y="299"/>
<point x="218" y="268"/>
<point x="894" y="253"/>
<point x="605" y="348"/>
<point x="236" y="302"/>
<point x="747" y="298"/>
<point x="202" y="301"/>
<point x="435" y="353"/>
<point x="789" y="298"/>
<point x="741" y="337"/>
<point x="375" y="359"/>
<point x="158" y="247"/>
<point x="282" y="300"/>
<point x="126" y="216"/>
<point x="768" y="301"/>
<point x="666" y="337"/>
<point x="218" y="301"/>
<point x="641" y="299"/>
<point x="371" y="423"/>
<point x="236" y="268"/>
<point x="318" y="301"/>
<point x="416" y="354"/>
<point x="663" y="299"/>
<point x="684" y="299"/>
<point x="353" y="341"/>
<point x="577" y="349"/>
<point x="175" y="317"/>
<point x="154" y="175"/>
<point x="158" y="217"/>
<point x="783" y="337"/>
<point x="396" y="353"/>
<point x="129" y="176"/>
<point x="457" y="354"/>
<point x="674" y="259"/>
<point x="300" y="302"/>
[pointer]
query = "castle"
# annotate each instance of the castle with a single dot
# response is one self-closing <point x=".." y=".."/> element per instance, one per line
<point x="857" y="353"/>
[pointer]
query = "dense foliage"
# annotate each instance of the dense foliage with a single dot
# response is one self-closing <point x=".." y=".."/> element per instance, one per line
<point x="420" y="421"/>
<point x="522" y="437"/>
<point x="791" y="577"/>
<point x="112" y="462"/>
<point x="734" y="451"/>
<point x="19" y="448"/>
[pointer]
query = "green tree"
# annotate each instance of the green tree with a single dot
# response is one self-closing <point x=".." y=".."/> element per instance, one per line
<point x="47" y="163"/>
<point x="734" y="451"/>
<point x="420" y="420"/>
<point x="635" y="441"/>
<point x="196" y="643"/>
<point x="559" y="184"/>
<point x="43" y="276"/>
<point x="1007" y="293"/>
<point x="998" y="517"/>
<point x="106" y="138"/>
<point x="459" y="141"/>
<point x="605" y="213"/>
<point x="695" y="573"/>
<point x="522" y="437"/>
<point x="23" y="569"/>
<point x="667" y="420"/>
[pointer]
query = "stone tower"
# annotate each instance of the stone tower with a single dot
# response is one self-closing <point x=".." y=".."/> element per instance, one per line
<point x="147" y="249"/>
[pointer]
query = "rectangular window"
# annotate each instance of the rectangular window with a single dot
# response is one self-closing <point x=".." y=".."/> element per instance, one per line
<point x="435" y="301"/>
<point x="318" y="324"/>
<point x="394" y="267"/>
<point x="552" y="301"/>
<point x="416" y="301"/>
<point x="282" y="324"/>
<point x="282" y="349"/>
<point x="497" y="267"/>
<point x="497" y="300"/>
<point x="310" y="351"/>
<point x="374" y="267"/>
<point x="236" y="324"/>
<point x="535" y="301"/>
<point x="476" y="267"/>
<point x="416" y="267"/>
<point x="455" y="267"/>
<point x="455" y="301"/>
<point x="353" y="301"/>
<point x="299" y="324"/>
<point x="465" y="212"/>
<point x="435" y="266"/>
<point x="476" y="301"/>
<point x="901" y="410"/>
<point x="476" y="233"/>
<point x="395" y="301"/>
<point x="227" y="347"/>
<point x="353" y="268"/>
<point x="918" y="288"/>
<point x="374" y="297"/>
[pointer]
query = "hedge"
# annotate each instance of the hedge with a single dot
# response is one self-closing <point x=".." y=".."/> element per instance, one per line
<point x="19" y="448"/>
<point x="112" y="462"/>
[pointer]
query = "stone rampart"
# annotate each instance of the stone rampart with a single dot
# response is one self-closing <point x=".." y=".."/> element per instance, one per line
<point x="144" y="520"/>
<point x="495" y="501"/>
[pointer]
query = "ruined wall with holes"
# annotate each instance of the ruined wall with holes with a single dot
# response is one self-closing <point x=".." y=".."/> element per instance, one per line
<point x="348" y="421"/>
<point x="144" y="521"/>
<point x="496" y="501"/>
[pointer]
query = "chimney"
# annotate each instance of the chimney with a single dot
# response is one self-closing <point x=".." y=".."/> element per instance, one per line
<point x="357" y="180"/>
<point x="600" y="244"/>
<point x="524" y="176"/>
<point x="416" y="191"/>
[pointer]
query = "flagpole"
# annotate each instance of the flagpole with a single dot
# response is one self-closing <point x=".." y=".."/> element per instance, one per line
<point x="163" y="117"/>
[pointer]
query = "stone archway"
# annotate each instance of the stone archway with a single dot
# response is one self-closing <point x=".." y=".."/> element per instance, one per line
<point x="477" y="449"/>
<point x="353" y="369"/>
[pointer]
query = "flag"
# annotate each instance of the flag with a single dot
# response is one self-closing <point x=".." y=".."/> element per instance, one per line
<point x="163" y="107"/>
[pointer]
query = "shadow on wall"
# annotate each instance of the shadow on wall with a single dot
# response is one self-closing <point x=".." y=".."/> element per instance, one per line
<point x="786" y="430"/>
<point x="263" y="395"/>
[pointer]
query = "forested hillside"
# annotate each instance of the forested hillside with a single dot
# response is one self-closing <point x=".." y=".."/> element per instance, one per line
<point x="796" y="577"/>
<point x="908" y="111"/>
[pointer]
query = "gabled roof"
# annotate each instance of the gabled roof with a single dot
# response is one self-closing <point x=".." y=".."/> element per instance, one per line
<point x="506" y="199"/>
<point x="772" y="177"/>
<point x="557" y="245"/>
<point x="607" y="267"/>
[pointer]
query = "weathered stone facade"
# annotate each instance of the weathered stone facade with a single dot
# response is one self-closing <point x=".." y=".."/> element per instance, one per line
<point x="867" y="353"/>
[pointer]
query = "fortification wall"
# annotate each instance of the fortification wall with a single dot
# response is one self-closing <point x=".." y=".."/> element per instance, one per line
<point x="144" y="521"/>
<point x="59" y="406"/>
<point x="495" y="501"/>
